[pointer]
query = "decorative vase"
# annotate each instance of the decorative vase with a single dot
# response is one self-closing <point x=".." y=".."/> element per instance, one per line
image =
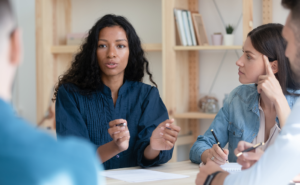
<point x="208" y="104"/>
<point x="228" y="39"/>
<point x="217" y="39"/>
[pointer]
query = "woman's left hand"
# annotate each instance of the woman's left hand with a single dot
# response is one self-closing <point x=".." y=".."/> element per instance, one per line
<point x="164" y="136"/>
<point x="269" y="84"/>
<point x="247" y="159"/>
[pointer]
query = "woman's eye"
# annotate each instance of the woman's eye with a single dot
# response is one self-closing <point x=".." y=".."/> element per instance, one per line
<point x="248" y="57"/>
<point x="102" y="46"/>
<point x="121" y="46"/>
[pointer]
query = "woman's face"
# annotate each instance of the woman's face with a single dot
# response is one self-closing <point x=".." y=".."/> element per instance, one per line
<point x="251" y="64"/>
<point x="112" y="51"/>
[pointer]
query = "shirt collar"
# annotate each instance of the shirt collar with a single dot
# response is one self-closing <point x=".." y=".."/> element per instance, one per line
<point x="254" y="103"/>
<point x="106" y="90"/>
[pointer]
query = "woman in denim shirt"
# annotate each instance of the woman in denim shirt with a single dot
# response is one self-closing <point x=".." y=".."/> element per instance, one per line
<point x="261" y="104"/>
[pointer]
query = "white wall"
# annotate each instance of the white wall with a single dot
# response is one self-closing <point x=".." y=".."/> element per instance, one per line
<point x="148" y="26"/>
<point x="24" y="93"/>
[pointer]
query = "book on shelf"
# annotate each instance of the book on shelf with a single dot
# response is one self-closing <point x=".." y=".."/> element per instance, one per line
<point x="186" y="27"/>
<point x="190" y="28"/>
<point x="180" y="26"/>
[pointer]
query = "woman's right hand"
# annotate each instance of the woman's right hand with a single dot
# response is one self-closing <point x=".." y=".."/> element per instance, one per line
<point x="119" y="134"/>
<point x="215" y="154"/>
<point x="268" y="83"/>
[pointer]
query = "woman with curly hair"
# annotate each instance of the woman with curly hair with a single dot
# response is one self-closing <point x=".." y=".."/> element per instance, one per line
<point x="102" y="98"/>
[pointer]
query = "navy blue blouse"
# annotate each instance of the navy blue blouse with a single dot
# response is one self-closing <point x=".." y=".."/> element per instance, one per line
<point x="88" y="116"/>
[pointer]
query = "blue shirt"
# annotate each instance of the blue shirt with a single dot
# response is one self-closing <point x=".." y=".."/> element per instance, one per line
<point x="29" y="156"/>
<point x="88" y="116"/>
<point x="238" y="120"/>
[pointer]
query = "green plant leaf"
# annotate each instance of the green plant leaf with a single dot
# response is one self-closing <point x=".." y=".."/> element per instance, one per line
<point x="229" y="29"/>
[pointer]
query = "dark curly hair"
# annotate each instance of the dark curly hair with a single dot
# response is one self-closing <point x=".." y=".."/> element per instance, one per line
<point x="85" y="71"/>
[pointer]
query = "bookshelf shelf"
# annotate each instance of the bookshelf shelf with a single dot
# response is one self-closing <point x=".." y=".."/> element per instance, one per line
<point x="69" y="49"/>
<point x="194" y="115"/>
<point x="193" y="48"/>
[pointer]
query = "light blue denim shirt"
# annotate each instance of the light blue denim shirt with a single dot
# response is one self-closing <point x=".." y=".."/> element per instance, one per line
<point x="238" y="120"/>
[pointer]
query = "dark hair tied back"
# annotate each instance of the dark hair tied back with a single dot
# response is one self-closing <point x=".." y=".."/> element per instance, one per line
<point x="267" y="39"/>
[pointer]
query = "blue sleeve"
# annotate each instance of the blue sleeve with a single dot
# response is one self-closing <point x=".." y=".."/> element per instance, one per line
<point x="29" y="156"/>
<point x="154" y="113"/>
<point x="220" y="127"/>
<point x="69" y="121"/>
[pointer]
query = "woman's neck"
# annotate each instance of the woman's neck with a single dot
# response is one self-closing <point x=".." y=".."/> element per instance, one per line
<point x="269" y="112"/>
<point x="114" y="83"/>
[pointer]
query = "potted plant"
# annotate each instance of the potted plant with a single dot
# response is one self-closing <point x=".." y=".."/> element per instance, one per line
<point x="228" y="37"/>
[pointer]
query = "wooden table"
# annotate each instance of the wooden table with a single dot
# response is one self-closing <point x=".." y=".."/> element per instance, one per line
<point x="182" y="168"/>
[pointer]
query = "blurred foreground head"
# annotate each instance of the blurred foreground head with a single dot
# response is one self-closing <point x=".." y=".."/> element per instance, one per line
<point x="10" y="48"/>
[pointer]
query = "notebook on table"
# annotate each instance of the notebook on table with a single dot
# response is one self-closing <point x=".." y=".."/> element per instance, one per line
<point x="231" y="167"/>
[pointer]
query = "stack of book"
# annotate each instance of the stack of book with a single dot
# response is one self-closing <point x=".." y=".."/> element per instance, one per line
<point x="190" y="28"/>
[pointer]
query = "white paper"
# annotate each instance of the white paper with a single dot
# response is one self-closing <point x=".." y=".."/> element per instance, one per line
<point x="141" y="175"/>
<point x="231" y="167"/>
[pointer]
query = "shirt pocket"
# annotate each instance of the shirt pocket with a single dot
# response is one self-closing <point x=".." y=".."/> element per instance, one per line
<point x="234" y="131"/>
<point x="234" y="136"/>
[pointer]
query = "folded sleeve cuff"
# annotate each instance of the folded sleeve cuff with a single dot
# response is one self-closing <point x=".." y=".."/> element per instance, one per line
<point x="163" y="157"/>
<point x="196" y="152"/>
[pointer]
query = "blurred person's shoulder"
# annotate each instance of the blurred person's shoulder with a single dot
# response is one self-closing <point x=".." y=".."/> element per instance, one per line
<point x="26" y="147"/>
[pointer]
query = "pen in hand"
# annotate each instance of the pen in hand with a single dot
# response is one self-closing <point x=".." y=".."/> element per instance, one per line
<point x="121" y="125"/>
<point x="249" y="149"/>
<point x="212" y="131"/>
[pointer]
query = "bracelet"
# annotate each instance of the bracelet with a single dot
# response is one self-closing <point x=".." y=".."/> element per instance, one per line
<point x="210" y="178"/>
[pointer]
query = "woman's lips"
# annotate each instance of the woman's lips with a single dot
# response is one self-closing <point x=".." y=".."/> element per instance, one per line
<point x="241" y="73"/>
<point x="111" y="65"/>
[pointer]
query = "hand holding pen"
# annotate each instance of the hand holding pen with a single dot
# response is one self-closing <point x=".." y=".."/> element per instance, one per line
<point x="215" y="154"/>
<point x="212" y="131"/>
<point x="119" y="132"/>
<point x="248" y="154"/>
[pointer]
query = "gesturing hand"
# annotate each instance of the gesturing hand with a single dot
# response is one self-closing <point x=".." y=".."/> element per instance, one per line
<point x="247" y="159"/>
<point x="120" y="134"/>
<point x="164" y="136"/>
<point x="268" y="83"/>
